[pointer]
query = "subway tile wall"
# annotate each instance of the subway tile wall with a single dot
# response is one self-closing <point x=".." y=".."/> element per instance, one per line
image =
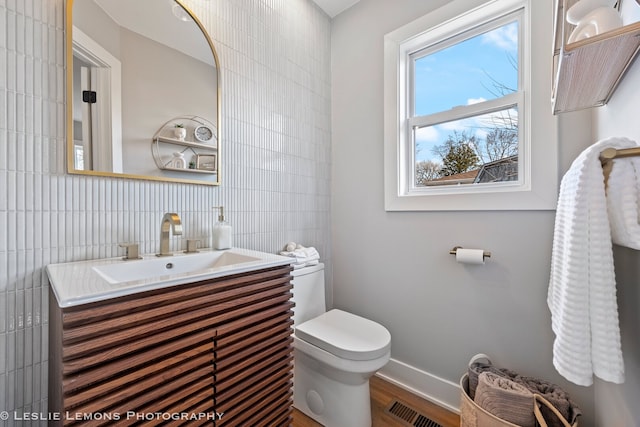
<point x="275" y="58"/>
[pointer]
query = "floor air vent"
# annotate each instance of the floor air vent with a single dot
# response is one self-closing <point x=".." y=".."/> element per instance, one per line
<point x="410" y="416"/>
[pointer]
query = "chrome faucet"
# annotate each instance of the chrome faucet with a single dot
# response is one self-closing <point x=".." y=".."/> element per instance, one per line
<point x="170" y="222"/>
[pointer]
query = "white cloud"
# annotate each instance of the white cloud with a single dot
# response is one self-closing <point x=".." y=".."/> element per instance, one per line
<point x="503" y="37"/>
<point x="472" y="101"/>
<point x="428" y="134"/>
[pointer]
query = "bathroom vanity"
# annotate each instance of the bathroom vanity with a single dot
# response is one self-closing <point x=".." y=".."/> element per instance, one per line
<point x="198" y="347"/>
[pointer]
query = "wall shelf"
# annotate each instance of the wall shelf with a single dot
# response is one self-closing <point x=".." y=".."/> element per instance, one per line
<point x="169" y="168"/>
<point x="164" y="144"/>
<point x="194" y="144"/>
<point x="586" y="73"/>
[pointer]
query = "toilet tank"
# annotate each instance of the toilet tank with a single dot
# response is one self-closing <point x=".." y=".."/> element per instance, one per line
<point x="308" y="293"/>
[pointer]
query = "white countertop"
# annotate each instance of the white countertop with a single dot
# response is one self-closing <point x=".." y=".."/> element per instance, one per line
<point x="76" y="283"/>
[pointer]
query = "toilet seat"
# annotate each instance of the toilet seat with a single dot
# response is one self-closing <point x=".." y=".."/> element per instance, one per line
<point x="345" y="366"/>
<point x="346" y="335"/>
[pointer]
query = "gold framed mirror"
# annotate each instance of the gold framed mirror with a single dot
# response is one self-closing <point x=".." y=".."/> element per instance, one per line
<point x="133" y="67"/>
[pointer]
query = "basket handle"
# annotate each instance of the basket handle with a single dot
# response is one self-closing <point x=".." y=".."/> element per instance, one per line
<point x="536" y="410"/>
<point x="478" y="357"/>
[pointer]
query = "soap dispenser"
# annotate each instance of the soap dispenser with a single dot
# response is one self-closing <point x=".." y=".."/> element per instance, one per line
<point x="222" y="232"/>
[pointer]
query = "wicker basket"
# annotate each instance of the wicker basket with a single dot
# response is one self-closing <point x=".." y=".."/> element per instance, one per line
<point x="472" y="415"/>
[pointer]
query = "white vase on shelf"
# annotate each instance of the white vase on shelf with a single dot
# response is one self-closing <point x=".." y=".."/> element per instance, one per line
<point x="180" y="133"/>
<point x="598" y="21"/>
<point x="581" y="8"/>
<point x="592" y="17"/>
<point x="178" y="161"/>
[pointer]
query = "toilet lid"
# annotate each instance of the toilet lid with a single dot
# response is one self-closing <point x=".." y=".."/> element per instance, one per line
<point x="346" y="335"/>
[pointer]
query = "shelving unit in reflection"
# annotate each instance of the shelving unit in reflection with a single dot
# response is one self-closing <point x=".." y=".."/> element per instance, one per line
<point x="200" y="154"/>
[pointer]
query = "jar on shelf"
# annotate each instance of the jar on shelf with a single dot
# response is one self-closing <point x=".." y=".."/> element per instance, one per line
<point x="180" y="132"/>
<point x="178" y="161"/>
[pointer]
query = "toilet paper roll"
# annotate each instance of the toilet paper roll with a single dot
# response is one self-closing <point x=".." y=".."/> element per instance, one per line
<point x="470" y="256"/>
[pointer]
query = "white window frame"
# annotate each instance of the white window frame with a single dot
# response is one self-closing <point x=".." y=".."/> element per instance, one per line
<point x="536" y="188"/>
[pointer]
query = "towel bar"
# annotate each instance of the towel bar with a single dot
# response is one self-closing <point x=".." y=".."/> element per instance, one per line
<point x="611" y="153"/>
<point x="608" y="154"/>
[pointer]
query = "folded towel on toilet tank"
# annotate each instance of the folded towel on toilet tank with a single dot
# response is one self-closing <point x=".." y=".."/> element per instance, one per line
<point x="303" y="256"/>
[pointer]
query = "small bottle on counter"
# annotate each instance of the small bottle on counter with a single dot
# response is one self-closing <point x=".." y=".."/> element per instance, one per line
<point x="222" y="232"/>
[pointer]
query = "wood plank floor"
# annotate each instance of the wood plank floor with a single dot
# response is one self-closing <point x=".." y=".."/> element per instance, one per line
<point x="382" y="394"/>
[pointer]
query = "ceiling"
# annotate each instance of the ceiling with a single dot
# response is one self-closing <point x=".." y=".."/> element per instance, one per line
<point x="161" y="25"/>
<point x="334" y="7"/>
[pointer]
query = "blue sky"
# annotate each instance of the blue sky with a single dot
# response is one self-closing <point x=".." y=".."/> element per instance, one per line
<point x="462" y="75"/>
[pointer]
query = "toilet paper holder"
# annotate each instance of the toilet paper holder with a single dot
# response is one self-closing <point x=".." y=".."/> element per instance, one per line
<point x="485" y="254"/>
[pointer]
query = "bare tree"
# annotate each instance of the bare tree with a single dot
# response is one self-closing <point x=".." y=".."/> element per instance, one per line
<point x="499" y="143"/>
<point x="502" y="127"/>
<point x="426" y="171"/>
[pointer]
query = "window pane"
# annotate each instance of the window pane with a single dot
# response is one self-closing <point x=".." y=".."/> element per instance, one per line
<point x="474" y="150"/>
<point x="478" y="69"/>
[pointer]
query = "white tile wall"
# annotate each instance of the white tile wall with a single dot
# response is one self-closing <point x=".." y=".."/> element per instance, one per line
<point x="275" y="56"/>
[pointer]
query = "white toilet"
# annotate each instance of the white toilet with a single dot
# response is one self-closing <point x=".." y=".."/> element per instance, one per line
<point x="335" y="355"/>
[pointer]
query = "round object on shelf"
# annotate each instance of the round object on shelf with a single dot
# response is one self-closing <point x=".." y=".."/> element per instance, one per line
<point x="596" y="22"/>
<point x="203" y="133"/>
<point x="581" y="8"/>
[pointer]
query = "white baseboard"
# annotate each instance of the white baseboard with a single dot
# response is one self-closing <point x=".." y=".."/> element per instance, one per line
<point x="430" y="387"/>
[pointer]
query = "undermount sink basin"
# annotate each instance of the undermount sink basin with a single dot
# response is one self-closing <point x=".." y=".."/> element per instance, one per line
<point x="82" y="282"/>
<point x="151" y="268"/>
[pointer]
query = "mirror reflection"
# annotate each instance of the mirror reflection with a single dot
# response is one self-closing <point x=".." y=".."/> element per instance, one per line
<point x="136" y="67"/>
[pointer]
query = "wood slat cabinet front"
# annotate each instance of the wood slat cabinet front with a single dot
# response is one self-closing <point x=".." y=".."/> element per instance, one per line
<point x="212" y="352"/>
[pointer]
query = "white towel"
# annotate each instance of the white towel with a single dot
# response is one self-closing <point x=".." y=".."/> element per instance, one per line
<point x="582" y="287"/>
<point x="623" y="202"/>
<point x="303" y="256"/>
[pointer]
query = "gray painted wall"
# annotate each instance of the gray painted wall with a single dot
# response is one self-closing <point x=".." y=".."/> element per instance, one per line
<point x="617" y="405"/>
<point x="394" y="267"/>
